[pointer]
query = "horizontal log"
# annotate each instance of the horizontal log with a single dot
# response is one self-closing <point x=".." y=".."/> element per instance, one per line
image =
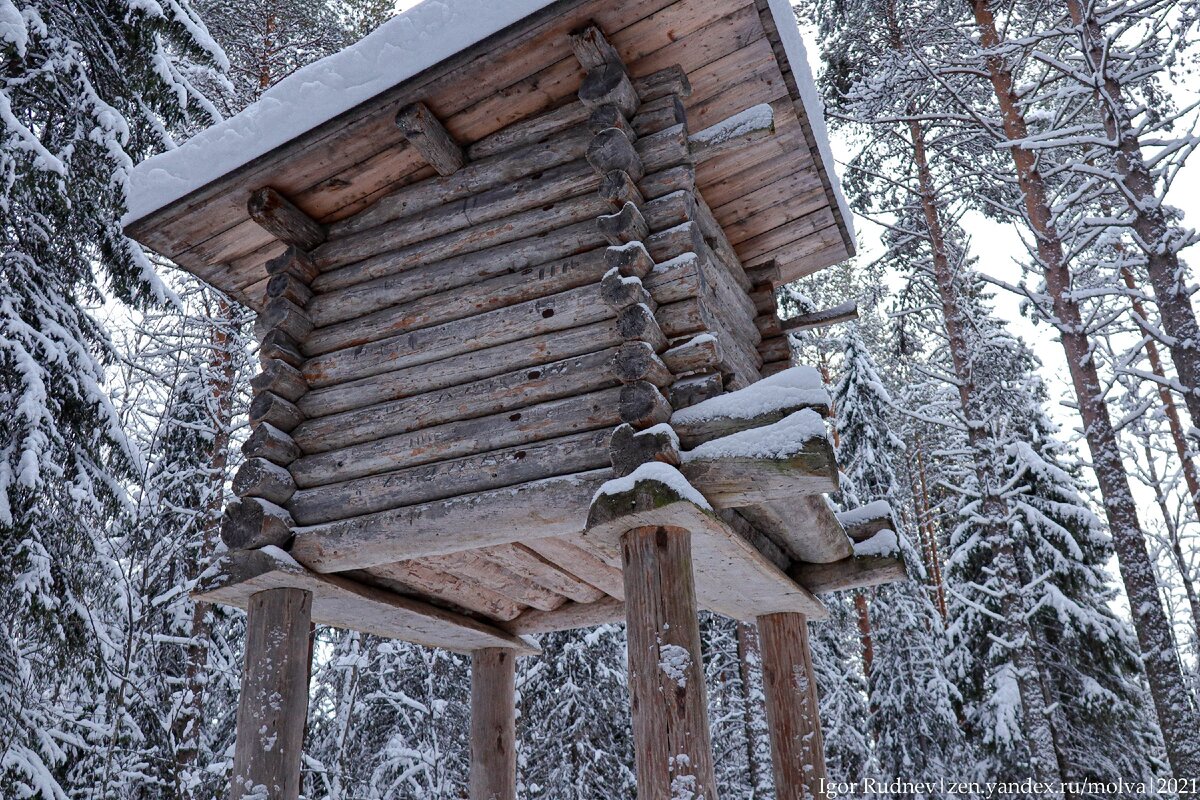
<point x="611" y="150"/>
<point x="636" y="361"/>
<point x="278" y="346"/>
<point x="505" y="467"/>
<point x="446" y="588"/>
<point x="459" y="303"/>
<point x="439" y="277"/>
<point x="630" y="448"/>
<point x="537" y="130"/>
<point x="865" y="521"/>
<point x="295" y="262"/>
<point x="524" y="562"/>
<point x="764" y="403"/>
<point x="625" y="226"/>
<point x="343" y="603"/>
<point x="472" y="566"/>
<point x="609" y="116"/>
<point x="671" y="179"/>
<point x="522" y="225"/>
<point x="669" y="81"/>
<point x="657" y="115"/>
<point x="475" y="178"/>
<point x="775" y="349"/>
<point x="569" y="309"/>
<point x="617" y="189"/>
<point x="425" y="132"/>
<point x="257" y="477"/>
<point x="267" y="441"/>
<point x="505" y="392"/>
<point x="460" y="438"/>
<point x="281" y="378"/>
<point x="856" y="572"/>
<point x="568" y="554"/>
<point x="465" y="368"/>
<point x="804" y="527"/>
<point x="606" y="611"/>
<point x="819" y="319"/>
<point x="546" y="508"/>
<point x="630" y="261"/>
<point x="609" y="84"/>
<point x="272" y="409"/>
<point x="252" y="522"/>
<point x="279" y="217"/>
<point x="532" y="191"/>
<point x="698" y="354"/>
<point x="695" y="389"/>
<point x="643" y="405"/>
<point x="742" y="129"/>
<point x="667" y="148"/>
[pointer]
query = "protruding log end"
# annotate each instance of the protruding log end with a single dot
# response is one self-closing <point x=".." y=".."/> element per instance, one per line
<point x="295" y="262"/>
<point x="637" y="323"/>
<point x="611" y="150"/>
<point x="627" y="225"/>
<point x="279" y="346"/>
<point x="618" y="292"/>
<point x="267" y="441"/>
<point x="608" y="84"/>
<point x="630" y="261"/>
<point x="668" y="81"/>
<point x="642" y="405"/>
<point x="258" y="477"/>
<point x="271" y="409"/>
<point x="252" y="522"/>
<point x="426" y="133"/>
<point x="617" y="188"/>
<point x="282" y="219"/>
<point x="629" y="448"/>
<point x="695" y="389"/>
<point x="280" y="377"/>
<point x="636" y="361"/>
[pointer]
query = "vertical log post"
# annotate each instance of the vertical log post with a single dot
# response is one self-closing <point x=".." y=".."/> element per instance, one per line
<point x="493" y="725"/>
<point x="273" y="704"/>
<point x="666" y="675"/>
<point x="797" y="746"/>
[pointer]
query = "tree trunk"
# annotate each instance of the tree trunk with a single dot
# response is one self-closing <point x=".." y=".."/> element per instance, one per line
<point x="1155" y="235"/>
<point x="1172" y="701"/>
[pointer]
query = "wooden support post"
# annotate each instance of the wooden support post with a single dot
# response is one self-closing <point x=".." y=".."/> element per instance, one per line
<point x="273" y="705"/>
<point x="493" y="725"/>
<point x="666" y="674"/>
<point x="797" y="746"/>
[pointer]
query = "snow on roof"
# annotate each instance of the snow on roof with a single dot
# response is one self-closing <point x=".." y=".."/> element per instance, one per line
<point x="397" y="50"/>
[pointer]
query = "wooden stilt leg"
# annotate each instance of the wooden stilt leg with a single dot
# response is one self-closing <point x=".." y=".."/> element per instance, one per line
<point x="493" y="725"/>
<point x="273" y="705"/>
<point x="666" y="675"/>
<point x="797" y="747"/>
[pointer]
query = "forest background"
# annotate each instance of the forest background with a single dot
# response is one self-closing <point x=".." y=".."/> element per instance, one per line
<point x="1020" y="385"/>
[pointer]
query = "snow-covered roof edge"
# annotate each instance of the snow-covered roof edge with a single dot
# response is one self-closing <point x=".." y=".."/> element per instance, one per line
<point x="401" y="48"/>
<point x="814" y="107"/>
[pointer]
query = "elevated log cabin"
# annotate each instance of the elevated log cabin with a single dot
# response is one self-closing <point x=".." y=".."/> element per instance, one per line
<point x="522" y="369"/>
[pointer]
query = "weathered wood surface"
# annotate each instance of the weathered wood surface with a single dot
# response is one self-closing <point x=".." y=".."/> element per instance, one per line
<point x="618" y="188"/>
<point x="660" y="114"/>
<point x="493" y="773"/>
<point x="636" y="361"/>
<point x="665" y="149"/>
<point x="611" y="151"/>
<point x="253" y="522"/>
<point x="857" y="572"/>
<point x="522" y="225"/>
<point x="642" y="404"/>
<point x="671" y="80"/>
<point x="625" y="226"/>
<point x="512" y="390"/>
<point x="694" y="389"/>
<point x="820" y="319"/>
<point x="569" y="555"/>
<point x="281" y="378"/>
<point x="520" y="560"/>
<point x="282" y="219"/>
<point x="295" y="262"/>
<point x="637" y="323"/>
<point x="797" y="745"/>
<point x="666" y="670"/>
<point x="609" y="84"/>
<point x="479" y="570"/>
<point x="268" y="442"/>
<point x="465" y="368"/>
<point x="409" y="486"/>
<point x="422" y="579"/>
<point x="343" y="603"/>
<point x="270" y="408"/>
<point x="257" y="477"/>
<point x="609" y="116"/>
<point x="630" y="448"/>
<point x="539" y="509"/>
<point x="537" y="130"/>
<point x="426" y="133"/>
<point x="460" y="438"/>
<point x="592" y="48"/>
<point x="805" y="527"/>
<point x="437" y="277"/>
<point x="568" y="617"/>
<point x="277" y="345"/>
<point x="736" y="481"/>
<point x="273" y="702"/>
<point x="569" y="309"/>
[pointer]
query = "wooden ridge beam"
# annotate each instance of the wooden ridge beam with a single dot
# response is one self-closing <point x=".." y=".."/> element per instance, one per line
<point x="343" y="603"/>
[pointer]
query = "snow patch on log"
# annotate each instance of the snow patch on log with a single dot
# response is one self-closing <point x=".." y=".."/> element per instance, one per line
<point x="883" y="543"/>
<point x="880" y="509"/>
<point x="654" y="471"/>
<point x="753" y="119"/>
<point x="784" y="439"/>
<point x="786" y="389"/>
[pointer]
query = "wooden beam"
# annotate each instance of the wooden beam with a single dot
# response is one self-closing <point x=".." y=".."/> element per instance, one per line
<point x="742" y="129"/>
<point x="856" y="572"/>
<point x="273" y="703"/>
<point x="342" y="603"/>
<point x="672" y="747"/>
<point x="570" y="616"/>
<point x="592" y="49"/>
<point x="797" y="745"/>
<point x="820" y="319"/>
<point x="804" y="527"/>
<point x="865" y="521"/>
<point x="430" y="138"/>
<point x="493" y="773"/>
<point x="279" y="217"/>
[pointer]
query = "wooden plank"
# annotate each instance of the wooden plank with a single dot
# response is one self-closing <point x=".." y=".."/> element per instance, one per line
<point x="503" y="467"/>
<point x="438" y="277"/>
<point x="519" y="559"/>
<point x="797" y="746"/>
<point x="765" y="246"/>
<point x="493" y="772"/>
<point x="456" y="370"/>
<point x="666" y="668"/>
<point x="570" y="616"/>
<point x="343" y="603"/>
<point x="568" y="555"/>
<point x="273" y="702"/>
<point x="448" y="589"/>
<point x="570" y="377"/>
<point x="820" y="319"/>
<point x="779" y="188"/>
<point x="858" y="572"/>
<point x="279" y="217"/>
<point x="474" y="567"/>
<point x="693" y="49"/>
<point x="569" y="309"/>
<point x="811" y="205"/>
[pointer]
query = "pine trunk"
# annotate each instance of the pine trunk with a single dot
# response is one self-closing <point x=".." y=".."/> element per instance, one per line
<point x="1172" y="701"/>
